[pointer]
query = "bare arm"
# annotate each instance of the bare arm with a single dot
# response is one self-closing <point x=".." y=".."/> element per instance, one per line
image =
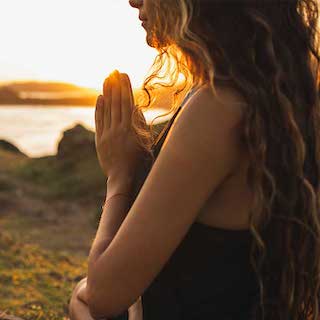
<point x="203" y="148"/>
<point x="112" y="215"/>
<point x="110" y="223"/>
<point x="79" y="310"/>
<point x="108" y="227"/>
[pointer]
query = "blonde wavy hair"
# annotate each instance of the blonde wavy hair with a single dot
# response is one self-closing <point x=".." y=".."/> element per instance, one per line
<point x="269" y="51"/>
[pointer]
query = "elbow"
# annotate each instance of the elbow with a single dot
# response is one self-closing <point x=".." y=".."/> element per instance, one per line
<point x="102" y="306"/>
<point x="97" y="309"/>
<point x="102" y="311"/>
<point x="97" y="298"/>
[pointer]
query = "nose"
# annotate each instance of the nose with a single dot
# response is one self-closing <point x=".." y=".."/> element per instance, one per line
<point x="136" y="3"/>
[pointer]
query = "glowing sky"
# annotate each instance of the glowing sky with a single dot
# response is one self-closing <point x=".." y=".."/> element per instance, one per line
<point x="78" y="41"/>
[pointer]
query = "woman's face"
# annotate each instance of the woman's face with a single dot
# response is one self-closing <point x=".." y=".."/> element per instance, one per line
<point x="145" y="13"/>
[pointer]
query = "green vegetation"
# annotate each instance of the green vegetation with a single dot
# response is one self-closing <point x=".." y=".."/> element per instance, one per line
<point x="36" y="283"/>
<point x="63" y="180"/>
<point x="49" y="212"/>
<point x="48" y="209"/>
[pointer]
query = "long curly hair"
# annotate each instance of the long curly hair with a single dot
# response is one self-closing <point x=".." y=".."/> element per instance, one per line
<point x="267" y="50"/>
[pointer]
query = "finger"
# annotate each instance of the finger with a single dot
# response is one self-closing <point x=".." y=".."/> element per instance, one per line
<point x="116" y="99"/>
<point x="130" y="90"/>
<point x="126" y="106"/>
<point x="107" y="95"/>
<point x="99" y="115"/>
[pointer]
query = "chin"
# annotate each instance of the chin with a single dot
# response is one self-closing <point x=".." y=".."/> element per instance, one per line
<point x="150" y="41"/>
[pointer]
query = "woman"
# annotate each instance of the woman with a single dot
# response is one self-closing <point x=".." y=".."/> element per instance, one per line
<point x="226" y="223"/>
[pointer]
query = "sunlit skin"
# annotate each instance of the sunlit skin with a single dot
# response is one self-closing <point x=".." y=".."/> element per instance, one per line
<point x="117" y="151"/>
<point x="145" y="15"/>
<point x="214" y="161"/>
<point x="116" y="142"/>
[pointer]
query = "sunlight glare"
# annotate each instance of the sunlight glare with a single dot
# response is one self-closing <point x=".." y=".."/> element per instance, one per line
<point x="77" y="41"/>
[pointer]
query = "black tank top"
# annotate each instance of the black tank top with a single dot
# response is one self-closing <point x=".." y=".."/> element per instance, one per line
<point x="209" y="274"/>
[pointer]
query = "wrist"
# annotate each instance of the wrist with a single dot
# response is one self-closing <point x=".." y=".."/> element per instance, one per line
<point x="120" y="184"/>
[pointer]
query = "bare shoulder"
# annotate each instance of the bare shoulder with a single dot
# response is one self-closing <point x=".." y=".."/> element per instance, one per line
<point x="226" y="101"/>
<point x="210" y="119"/>
<point x="199" y="153"/>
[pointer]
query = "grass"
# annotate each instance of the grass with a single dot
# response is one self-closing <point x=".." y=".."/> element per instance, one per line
<point x="36" y="283"/>
<point x="67" y="180"/>
<point x="50" y="210"/>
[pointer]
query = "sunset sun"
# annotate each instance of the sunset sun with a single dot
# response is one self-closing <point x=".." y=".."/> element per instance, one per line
<point x="72" y="41"/>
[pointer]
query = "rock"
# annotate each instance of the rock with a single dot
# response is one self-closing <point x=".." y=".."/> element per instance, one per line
<point x="8" y="95"/>
<point x="4" y="316"/>
<point x="77" y="142"/>
<point x="7" y="146"/>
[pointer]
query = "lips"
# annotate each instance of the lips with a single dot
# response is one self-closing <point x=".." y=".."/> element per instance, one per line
<point x="142" y="18"/>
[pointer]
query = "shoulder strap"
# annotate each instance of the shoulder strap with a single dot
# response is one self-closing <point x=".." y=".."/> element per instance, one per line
<point x="162" y="135"/>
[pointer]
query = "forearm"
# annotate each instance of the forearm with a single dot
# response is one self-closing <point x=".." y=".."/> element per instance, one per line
<point x="113" y="214"/>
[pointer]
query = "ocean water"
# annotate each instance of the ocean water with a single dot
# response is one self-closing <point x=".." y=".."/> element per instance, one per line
<point x="36" y="130"/>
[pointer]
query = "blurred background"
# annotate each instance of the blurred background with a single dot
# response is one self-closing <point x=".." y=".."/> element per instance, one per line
<point x="54" y="57"/>
<point x="53" y="60"/>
